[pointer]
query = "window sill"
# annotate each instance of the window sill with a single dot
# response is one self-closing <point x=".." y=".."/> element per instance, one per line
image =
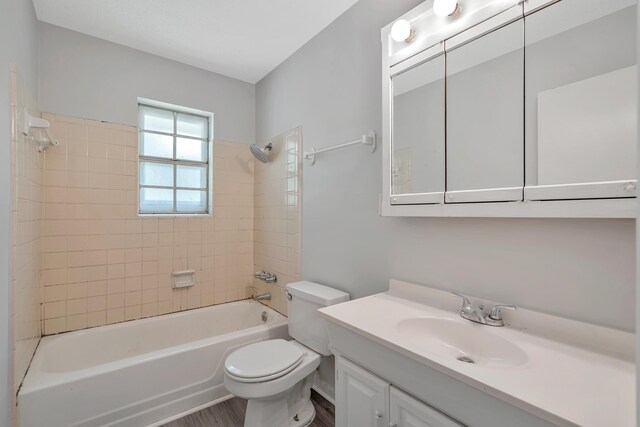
<point x="174" y="215"/>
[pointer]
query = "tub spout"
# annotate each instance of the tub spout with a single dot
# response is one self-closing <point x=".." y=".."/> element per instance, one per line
<point x="263" y="297"/>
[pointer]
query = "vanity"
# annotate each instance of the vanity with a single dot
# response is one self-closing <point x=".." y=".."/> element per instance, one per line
<point x="406" y="358"/>
<point x="510" y="108"/>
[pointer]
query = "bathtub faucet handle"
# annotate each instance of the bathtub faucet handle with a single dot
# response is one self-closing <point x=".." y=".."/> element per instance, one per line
<point x="266" y="277"/>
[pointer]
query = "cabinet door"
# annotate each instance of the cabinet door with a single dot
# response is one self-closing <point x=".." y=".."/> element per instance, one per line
<point x="418" y="134"/>
<point x="581" y="100"/>
<point x="362" y="399"/>
<point x="406" y="411"/>
<point x="485" y="102"/>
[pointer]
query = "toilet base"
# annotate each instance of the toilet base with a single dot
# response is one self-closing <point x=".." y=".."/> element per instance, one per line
<point x="292" y="408"/>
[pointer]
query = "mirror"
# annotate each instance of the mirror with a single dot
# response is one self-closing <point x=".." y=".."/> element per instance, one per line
<point x="581" y="94"/>
<point x="512" y="101"/>
<point x="418" y="123"/>
<point x="485" y="147"/>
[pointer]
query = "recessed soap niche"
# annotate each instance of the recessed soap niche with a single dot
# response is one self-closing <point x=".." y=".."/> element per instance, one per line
<point x="183" y="279"/>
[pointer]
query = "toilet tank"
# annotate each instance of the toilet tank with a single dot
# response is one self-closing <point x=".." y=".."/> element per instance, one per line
<point x="306" y="325"/>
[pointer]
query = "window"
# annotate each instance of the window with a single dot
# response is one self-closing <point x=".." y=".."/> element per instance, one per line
<point x="174" y="159"/>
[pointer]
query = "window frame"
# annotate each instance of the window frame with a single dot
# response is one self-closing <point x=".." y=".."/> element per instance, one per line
<point x="174" y="161"/>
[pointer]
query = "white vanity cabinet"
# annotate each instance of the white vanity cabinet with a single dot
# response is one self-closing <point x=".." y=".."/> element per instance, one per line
<point x="362" y="399"/>
<point x="419" y="363"/>
<point x="510" y="108"/>
<point x="366" y="400"/>
<point x="407" y="411"/>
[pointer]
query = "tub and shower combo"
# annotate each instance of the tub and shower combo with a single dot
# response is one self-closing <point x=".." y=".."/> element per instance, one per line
<point x="140" y="373"/>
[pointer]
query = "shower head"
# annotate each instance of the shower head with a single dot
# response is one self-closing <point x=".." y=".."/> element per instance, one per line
<point x="261" y="154"/>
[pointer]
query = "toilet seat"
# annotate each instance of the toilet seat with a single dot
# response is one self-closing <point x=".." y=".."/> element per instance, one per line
<point x="263" y="361"/>
<point x="264" y="389"/>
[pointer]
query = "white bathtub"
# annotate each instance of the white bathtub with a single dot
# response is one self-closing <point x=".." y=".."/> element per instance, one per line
<point x="140" y="373"/>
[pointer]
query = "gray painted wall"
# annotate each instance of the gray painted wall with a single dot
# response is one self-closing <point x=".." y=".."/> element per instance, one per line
<point x="637" y="300"/>
<point x="5" y="217"/>
<point x="582" y="269"/>
<point x="83" y="76"/>
<point x="19" y="45"/>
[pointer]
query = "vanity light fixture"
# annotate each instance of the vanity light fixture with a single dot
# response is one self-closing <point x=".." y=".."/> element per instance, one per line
<point x="444" y="8"/>
<point x="401" y="31"/>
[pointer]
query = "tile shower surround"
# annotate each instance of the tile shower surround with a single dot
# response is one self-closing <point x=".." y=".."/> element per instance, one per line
<point x="27" y="213"/>
<point x="277" y="216"/>
<point x="103" y="263"/>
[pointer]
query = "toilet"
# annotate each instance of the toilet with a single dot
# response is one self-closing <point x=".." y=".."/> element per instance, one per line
<point x="276" y="376"/>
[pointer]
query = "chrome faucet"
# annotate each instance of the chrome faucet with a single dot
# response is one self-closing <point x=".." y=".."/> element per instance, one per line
<point x="495" y="316"/>
<point x="477" y="314"/>
<point x="263" y="297"/>
<point x="266" y="277"/>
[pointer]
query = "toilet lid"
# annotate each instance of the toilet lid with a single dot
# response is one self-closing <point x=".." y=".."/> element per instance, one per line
<point x="263" y="359"/>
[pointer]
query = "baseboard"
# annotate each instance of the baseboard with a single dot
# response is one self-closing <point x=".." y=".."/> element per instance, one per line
<point x="324" y="393"/>
<point x="191" y="411"/>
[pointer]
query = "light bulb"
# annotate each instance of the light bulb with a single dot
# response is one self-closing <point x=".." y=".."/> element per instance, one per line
<point x="401" y="31"/>
<point x="444" y="8"/>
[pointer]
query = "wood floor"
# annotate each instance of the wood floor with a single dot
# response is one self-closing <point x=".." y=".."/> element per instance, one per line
<point x="231" y="414"/>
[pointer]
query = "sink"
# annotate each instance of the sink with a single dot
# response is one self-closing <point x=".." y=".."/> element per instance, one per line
<point x="464" y="341"/>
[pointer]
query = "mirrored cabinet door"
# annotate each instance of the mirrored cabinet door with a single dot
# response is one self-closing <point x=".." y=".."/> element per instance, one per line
<point x="418" y="133"/>
<point x="581" y="100"/>
<point x="485" y="143"/>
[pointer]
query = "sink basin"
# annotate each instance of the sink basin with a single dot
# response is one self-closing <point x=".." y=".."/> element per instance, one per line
<point x="464" y="341"/>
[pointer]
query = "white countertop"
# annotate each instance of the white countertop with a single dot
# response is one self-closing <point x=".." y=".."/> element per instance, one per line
<point x="575" y="374"/>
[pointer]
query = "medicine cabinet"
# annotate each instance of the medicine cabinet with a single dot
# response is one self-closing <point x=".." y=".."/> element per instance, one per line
<point x="512" y="109"/>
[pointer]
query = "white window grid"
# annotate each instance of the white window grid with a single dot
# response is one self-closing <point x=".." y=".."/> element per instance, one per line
<point x="176" y="162"/>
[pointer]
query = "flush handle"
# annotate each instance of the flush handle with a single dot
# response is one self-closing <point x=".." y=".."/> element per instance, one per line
<point x="288" y="295"/>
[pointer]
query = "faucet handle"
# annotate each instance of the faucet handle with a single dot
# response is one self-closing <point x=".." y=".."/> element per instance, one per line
<point x="465" y="301"/>
<point x="495" y="311"/>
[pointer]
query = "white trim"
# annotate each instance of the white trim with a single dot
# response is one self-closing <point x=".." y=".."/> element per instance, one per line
<point x="424" y="56"/>
<point x="597" y="208"/>
<point x="510" y="194"/>
<point x="492" y="24"/>
<point x="175" y="109"/>
<point x="387" y="158"/>
<point x="531" y="6"/>
<point x="324" y="394"/>
<point x="417" y="198"/>
<point x="587" y="190"/>
<point x="191" y="411"/>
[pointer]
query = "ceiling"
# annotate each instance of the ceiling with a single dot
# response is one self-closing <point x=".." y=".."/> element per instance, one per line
<point x="244" y="39"/>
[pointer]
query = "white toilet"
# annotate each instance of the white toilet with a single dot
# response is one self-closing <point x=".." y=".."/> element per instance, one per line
<point x="276" y="376"/>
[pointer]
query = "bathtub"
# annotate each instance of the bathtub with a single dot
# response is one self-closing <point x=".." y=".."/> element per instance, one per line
<point x="140" y="373"/>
